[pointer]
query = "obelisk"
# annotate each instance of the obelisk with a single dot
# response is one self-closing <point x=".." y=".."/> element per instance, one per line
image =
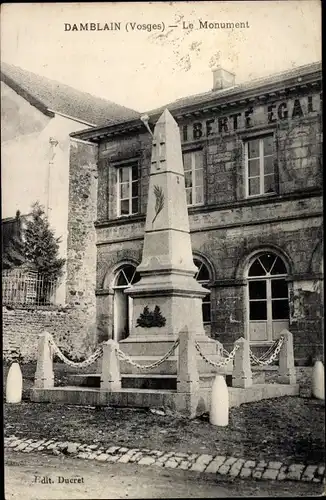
<point x="167" y="298"/>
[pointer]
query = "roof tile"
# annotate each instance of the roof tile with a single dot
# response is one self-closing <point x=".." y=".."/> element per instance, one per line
<point x="61" y="98"/>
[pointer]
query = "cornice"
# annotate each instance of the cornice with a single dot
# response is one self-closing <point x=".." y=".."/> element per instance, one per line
<point x="213" y="104"/>
<point x="247" y="202"/>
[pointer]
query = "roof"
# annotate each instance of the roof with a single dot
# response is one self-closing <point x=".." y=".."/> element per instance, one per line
<point x="249" y="85"/>
<point x="49" y="95"/>
<point x="216" y="99"/>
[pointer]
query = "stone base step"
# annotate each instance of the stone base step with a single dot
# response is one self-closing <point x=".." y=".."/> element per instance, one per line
<point x="153" y="381"/>
<point x="133" y="398"/>
<point x="169" y="367"/>
<point x="136" y="398"/>
<point x="148" y="348"/>
<point x="135" y="381"/>
<point x="129" y="381"/>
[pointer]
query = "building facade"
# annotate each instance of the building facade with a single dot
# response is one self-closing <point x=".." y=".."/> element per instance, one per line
<point x="37" y="116"/>
<point x="253" y="174"/>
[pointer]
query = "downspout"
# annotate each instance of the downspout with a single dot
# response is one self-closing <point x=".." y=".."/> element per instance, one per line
<point x="53" y="143"/>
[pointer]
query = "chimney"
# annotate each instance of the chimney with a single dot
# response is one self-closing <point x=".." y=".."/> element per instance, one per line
<point x="222" y="79"/>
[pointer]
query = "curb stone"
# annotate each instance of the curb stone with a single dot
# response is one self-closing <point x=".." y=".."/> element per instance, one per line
<point x="222" y="465"/>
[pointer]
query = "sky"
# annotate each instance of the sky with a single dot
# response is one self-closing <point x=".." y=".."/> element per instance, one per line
<point x="144" y="69"/>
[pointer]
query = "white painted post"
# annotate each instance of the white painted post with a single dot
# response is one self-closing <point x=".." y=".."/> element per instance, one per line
<point x="219" y="414"/>
<point x="188" y="377"/>
<point x="286" y="369"/>
<point x="14" y="385"/>
<point x="318" y="381"/>
<point x="44" y="376"/>
<point x="242" y="375"/>
<point x="110" y="373"/>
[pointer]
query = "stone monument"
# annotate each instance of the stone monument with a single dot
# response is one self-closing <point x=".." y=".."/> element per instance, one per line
<point x="167" y="298"/>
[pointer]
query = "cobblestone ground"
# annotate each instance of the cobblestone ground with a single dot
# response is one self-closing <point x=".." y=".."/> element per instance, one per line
<point x="208" y="464"/>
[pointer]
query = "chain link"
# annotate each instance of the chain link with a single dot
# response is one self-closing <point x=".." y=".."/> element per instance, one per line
<point x="220" y="364"/>
<point x="87" y="362"/>
<point x="125" y="357"/>
<point x="262" y="361"/>
<point x="263" y="357"/>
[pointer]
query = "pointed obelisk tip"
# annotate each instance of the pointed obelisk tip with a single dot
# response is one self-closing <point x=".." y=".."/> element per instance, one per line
<point x="166" y="117"/>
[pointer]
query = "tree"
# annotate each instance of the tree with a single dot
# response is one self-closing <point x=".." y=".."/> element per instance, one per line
<point x="41" y="247"/>
<point x="12" y="243"/>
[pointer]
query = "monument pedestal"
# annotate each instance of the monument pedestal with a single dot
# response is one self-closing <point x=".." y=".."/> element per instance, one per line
<point x="163" y="305"/>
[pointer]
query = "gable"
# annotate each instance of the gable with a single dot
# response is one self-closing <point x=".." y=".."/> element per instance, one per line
<point x="18" y="116"/>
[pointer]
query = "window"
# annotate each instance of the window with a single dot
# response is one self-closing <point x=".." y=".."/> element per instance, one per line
<point x="126" y="276"/>
<point x="260" y="178"/>
<point x="128" y="190"/>
<point x="193" y="170"/>
<point x="268" y="307"/>
<point x="203" y="277"/>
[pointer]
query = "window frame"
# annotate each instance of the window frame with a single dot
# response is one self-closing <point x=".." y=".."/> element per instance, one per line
<point x="193" y="170"/>
<point x="121" y="269"/>
<point x="128" y="165"/>
<point x="205" y="284"/>
<point x="267" y="278"/>
<point x="260" y="137"/>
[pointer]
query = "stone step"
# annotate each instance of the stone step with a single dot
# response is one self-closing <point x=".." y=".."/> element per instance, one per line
<point x="143" y="381"/>
<point x="155" y="398"/>
<point x="133" y="398"/>
<point x="169" y="367"/>
<point x="159" y="348"/>
<point x="155" y="382"/>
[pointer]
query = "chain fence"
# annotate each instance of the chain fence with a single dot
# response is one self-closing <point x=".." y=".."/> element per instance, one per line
<point x="219" y="364"/>
<point x="272" y="352"/>
<point x="82" y="364"/>
<point x="128" y="359"/>
<point x="266" y="359"/>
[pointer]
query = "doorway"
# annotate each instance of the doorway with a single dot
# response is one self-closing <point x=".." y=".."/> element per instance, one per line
<point x="126" y="276"/>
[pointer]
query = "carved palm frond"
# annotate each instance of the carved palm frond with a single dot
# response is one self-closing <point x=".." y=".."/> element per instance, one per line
<point x="159" y="203"/>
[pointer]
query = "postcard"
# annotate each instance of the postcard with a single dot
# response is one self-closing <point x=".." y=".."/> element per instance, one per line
<point x="162" y="251"/>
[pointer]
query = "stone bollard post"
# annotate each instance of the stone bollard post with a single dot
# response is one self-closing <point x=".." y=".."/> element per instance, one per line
<point x="44" y="376"/>
<point x="318" y="380"/>
<point x="242" y="375"/>
<point x="286" y="369"/>
<point x="110" y="373"/>
<point x="187" y="379"/>
<point x="219" y="411"/>
<point x="14" y="385"/>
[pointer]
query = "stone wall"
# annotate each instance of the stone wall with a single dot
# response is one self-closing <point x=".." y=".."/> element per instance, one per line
<point x="22" y="326"/>
<point x="42" y="145"/>
<point x="73" y="325"/>
<point x="81" y="259"/>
